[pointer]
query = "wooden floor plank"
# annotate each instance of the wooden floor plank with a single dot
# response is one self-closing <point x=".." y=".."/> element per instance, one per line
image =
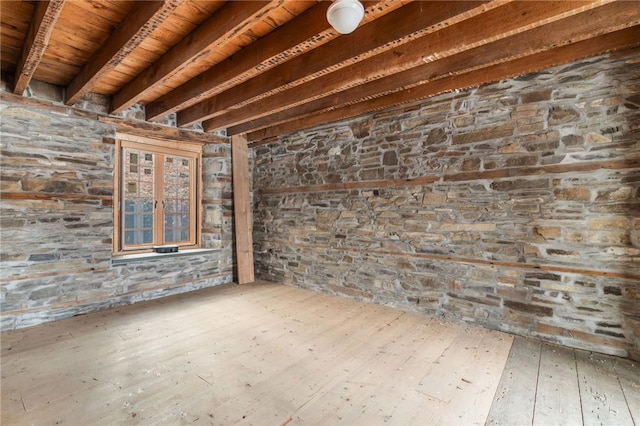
<point x="629" y="377"/>
<point x="558" y="397"/>
<point x="518" y="385"/>
<point x="602" y="397"/>
<point x="353" y="397"/>
<point x="272" y="354"/>
<point x="472" y="397"/>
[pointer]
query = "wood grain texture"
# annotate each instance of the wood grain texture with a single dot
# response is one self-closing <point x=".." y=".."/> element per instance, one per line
<point x="139" y="24"/>
<point x="276" y="66"/>
<point x="603" y="399"/>
<point x="282" y="44"/>
<point x="518" y="385"/>
<point x="383" y="34"/>
<point x="626" y="38"/>
<point x="292" y="356"/>
<point x="242" y="210"/>
<point x="557" y="396"/>
<point x="566" y="386"/>
<point x="221" y="26"/>
<point x="45" y="15"/>
<point x="407" y="65"/>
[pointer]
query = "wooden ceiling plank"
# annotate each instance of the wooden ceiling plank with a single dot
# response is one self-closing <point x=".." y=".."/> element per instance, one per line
<point x="546" y="37"/>
<point x="496" y="24"/>
<point x="387" y="32"/>
<point x="45" y="15"/>
<point x="623" y="39"/>
<point x="221" y="26"/>
<point x="139" y="24"/>
<point x="247" y="62"/>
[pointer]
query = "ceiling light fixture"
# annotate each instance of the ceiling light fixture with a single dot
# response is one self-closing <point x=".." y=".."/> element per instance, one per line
<point x="345" y="15"/>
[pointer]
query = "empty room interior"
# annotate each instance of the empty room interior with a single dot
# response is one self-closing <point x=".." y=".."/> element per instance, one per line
<point x="294" y="212"/>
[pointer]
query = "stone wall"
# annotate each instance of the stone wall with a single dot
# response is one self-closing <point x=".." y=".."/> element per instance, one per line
<point x="515" y="206"/>
<point x="56" y="218"/>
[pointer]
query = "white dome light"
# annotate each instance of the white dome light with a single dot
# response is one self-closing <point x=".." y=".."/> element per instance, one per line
<point x="345" y="15"/>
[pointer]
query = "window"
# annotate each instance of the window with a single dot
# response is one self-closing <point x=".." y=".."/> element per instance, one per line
<point x="157" y="191"/>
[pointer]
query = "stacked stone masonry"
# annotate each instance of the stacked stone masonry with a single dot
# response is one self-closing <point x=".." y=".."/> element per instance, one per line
<point x="56" y="220"/>
<point x="515" y="206"/>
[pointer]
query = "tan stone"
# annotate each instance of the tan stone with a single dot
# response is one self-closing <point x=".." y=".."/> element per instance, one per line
<point x="456" y="227"/>
<point x="597" y="138"/>
<point x="573" y="194"/>
<point x="615" y="223"/>
<point x="548" y="232"/>
<point x="434" y="198"/>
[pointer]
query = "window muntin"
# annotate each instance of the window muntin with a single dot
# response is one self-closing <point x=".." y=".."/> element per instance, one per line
<point x="157" y="191"/>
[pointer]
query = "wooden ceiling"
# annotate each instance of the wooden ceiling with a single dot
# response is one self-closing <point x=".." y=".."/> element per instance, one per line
<point x="266" y="68"/>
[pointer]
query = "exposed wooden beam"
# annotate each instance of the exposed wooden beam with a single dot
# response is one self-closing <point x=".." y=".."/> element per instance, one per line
<point x="496" y="24"/>
<point x="242" y="209"/>
<point x="143" y="128"/>
<point x="45" y="15"/>
<point x="219" y="28"/>
<point x="141" y="22"/>
<point x="622" y="39"/>
<point x="307" y="31"/>
<point x="388" y="32"/>
<point x="556" y="33"/>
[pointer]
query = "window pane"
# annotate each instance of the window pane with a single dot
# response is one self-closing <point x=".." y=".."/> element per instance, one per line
<point x="129" y="221"/>
<point x="129" y="237"/>
<point x="147" y="221"/>
<point x="177" y="174"/>
<point x="138" y="197"/>
<point x="147" y="236"/>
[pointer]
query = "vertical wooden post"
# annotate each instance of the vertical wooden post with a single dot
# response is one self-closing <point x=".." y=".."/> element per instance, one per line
<point x="242" y="209"/>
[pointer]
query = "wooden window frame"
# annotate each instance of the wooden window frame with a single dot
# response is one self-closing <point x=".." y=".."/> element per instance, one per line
<point x="159" y="147"/>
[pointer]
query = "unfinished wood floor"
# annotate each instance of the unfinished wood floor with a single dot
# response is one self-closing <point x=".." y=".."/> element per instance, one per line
<point x="546" y="384"/>
<point x="266" y="354"/>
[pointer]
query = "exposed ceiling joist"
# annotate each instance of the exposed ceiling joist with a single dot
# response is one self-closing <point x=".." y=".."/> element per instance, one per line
<point x="555" y="33"/>
<point x="141" y="22"/>
<point x="623" y="39"/>
<point x="309" y="30"/>
<point x="268" y="67"/>
<point x="45" y="15"/>
<point x="385" y="33"/>
<point x="229" y="21"/>
<point x="509" y="20"/>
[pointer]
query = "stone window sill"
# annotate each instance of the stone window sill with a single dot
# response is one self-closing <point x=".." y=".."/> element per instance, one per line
<point x="140" y="257"/>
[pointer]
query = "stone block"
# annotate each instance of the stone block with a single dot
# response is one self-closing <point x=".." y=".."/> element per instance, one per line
<point x="434" y="198"/>
<point x="536" y="96"/>
<point x="489" y="133"/>
<point x="573" y="194"/>
<point x="520" y="184"/>
<point x="547" y="232"/>
<point x="609" y="223"/>
<point x="562" y="115"/>
<point x="537" y="310"/>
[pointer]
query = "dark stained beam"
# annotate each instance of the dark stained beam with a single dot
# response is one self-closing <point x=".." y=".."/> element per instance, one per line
<point x="141" y="22"/>
<point x="575" y="28"/>
<point x="617" y="40"/>
<point x="306" y="31"/>
<point x="387" y="32"/>
<point x="220" y="27"/>
<point x="45" y="15"/>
